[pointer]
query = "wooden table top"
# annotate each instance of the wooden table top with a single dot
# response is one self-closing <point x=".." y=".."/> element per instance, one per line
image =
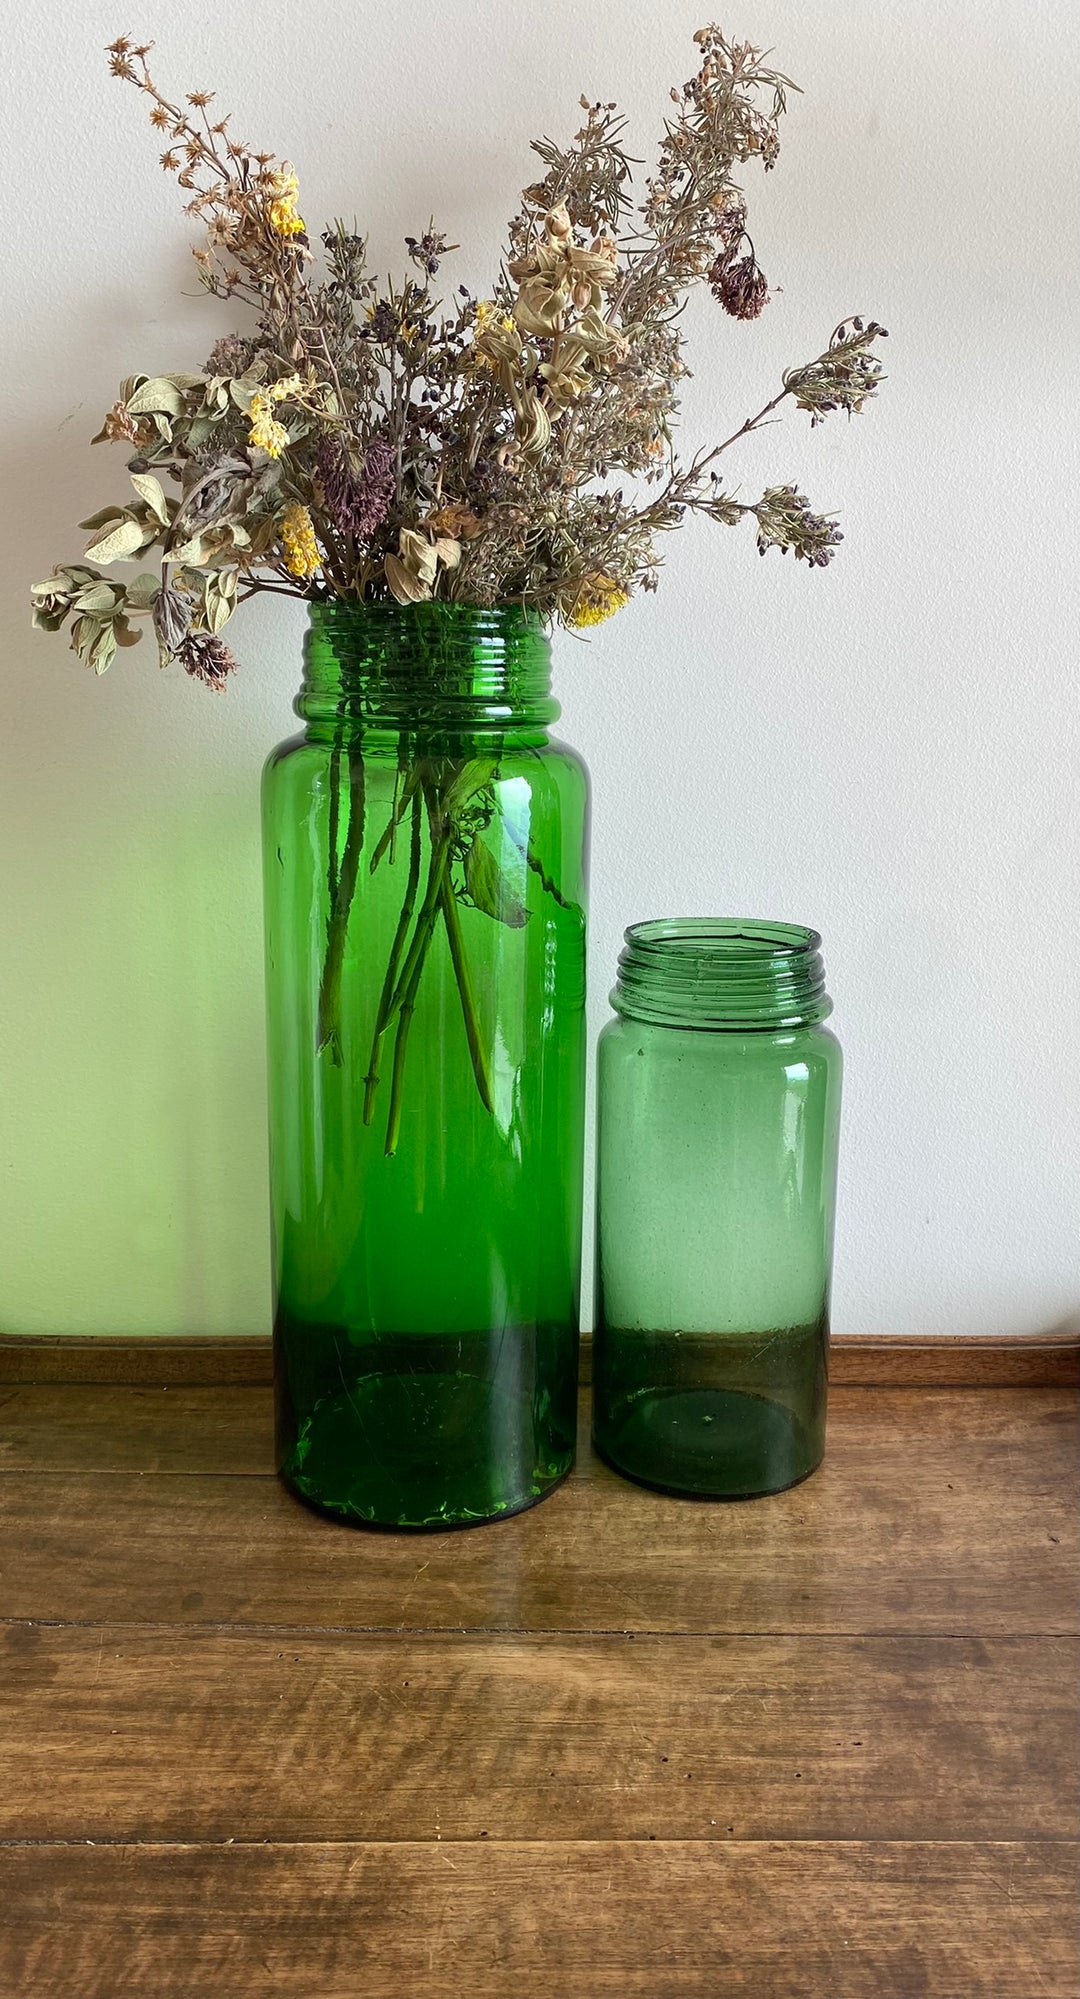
<point x="819" y="1746"/>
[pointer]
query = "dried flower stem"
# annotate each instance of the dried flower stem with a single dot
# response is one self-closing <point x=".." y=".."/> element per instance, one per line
<point x="371" y="1080"/>
<point x="477" y="1056"/>
<point x="329" y="1012"/>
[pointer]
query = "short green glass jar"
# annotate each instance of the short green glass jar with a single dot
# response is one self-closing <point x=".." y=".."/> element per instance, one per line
<point x="718" y="1123"/>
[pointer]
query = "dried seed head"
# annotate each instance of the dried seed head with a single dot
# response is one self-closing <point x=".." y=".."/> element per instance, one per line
<point x="741" y="288"/>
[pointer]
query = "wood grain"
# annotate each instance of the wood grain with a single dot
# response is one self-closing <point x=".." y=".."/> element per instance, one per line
<point x="124" y="1733"/>
<point x="934" y="1512"/>
<point x="107" y="1428"/>
<point x="1050" y="1360"/>
<point x="623" y="1747"/>
<point x="567" y="1921"/>
<point x="50" y="1427"/>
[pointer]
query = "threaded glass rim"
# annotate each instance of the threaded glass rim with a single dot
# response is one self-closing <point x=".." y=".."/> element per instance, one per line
<point x="722" y="973"/>
<point x="400" y="663"/>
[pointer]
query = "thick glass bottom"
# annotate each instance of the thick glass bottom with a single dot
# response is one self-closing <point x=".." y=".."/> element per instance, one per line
<point x="713" y="1416"/>
<point x="424" y="1430"/>
<point x="708" y="1443"/>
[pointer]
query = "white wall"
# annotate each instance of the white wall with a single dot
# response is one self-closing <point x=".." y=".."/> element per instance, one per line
<point x="887" y="749"/>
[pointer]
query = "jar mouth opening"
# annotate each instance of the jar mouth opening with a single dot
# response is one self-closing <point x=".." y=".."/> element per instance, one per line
<point x="723" y="940"/>
<point x="722" y="972"/>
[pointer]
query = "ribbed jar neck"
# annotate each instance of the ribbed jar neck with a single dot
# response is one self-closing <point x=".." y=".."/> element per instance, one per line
<point x="722" y="974"/>
<point x="418" y="666"/>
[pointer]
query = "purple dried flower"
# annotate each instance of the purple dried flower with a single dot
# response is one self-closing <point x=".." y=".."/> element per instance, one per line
<point x="357" y="497"/>
<point x="785" y="521"/>
<point x="427" y="252"/>
<point x="741" y="287"/>
<point x="230" y="355"/>
<point x="206" y="658"/>
<point x="383" y="322"/>
<point x="730" y="225"/>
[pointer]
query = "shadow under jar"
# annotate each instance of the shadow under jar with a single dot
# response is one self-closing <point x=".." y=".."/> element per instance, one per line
<point x="718" y="1122"/>
<point x="424" y="871"/>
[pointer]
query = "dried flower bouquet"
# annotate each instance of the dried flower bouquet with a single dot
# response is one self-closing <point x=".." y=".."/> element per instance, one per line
<point x="371" y="442"/>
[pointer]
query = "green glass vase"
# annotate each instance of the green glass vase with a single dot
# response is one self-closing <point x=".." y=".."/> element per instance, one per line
<point x="718" y="1121"/>
<point x="424" y="872"/>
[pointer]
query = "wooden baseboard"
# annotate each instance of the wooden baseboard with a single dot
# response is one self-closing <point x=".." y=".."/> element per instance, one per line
<point x="140" y="1363"/>
<point x="1023" y="1361"/>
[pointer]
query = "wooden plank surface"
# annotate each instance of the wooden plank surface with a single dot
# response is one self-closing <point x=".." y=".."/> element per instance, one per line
<point x="622" y="1747"/>
<point x="49" y="1427"/>
<point x="935" y="1511"/>
<point x="1042" y="1360"/>
<point x="276" y="1736"/>
<point x="568" y="1921"/>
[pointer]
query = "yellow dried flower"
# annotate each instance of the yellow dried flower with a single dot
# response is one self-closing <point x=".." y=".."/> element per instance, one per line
<point x="599" y="598"/>
<point x="289" y="385"/>
<point x="266" y="433"/>
<point x="285" y="220"/>
<point x="283" y="216"/>
<point x="488" y="315"/>
<point x="302" y="557"/>
<point x="489" y="321"/>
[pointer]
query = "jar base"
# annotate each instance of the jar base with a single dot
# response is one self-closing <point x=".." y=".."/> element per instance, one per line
<point x="708" y="1443"/>
<point x="420" y="1452"/>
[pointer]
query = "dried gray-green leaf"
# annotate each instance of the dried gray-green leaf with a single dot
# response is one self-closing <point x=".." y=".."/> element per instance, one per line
<point x="190" y="552"/>
<point x="243" y="387"/>
<point x="158" y="395"/>
<point x="219" y="598"/>
<point x="122" y="541"/>
<point x="101" y="598"/>
<point x="94" y="640"/>
<point x="143" y="592"/>
<point x="151" y="490"/>
<point x="103" y="516"/>
<point x="51" y="600"/>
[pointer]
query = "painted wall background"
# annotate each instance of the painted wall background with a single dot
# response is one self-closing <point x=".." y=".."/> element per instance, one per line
<point x="887" y="749"/>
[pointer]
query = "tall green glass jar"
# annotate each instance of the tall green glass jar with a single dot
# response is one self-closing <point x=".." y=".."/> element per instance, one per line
<point x="719" y="1106"/>
<point x="424" y="873"/>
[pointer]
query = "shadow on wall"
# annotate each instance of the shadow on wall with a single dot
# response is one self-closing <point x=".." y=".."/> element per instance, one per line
<point x="1065" y="1329"/>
